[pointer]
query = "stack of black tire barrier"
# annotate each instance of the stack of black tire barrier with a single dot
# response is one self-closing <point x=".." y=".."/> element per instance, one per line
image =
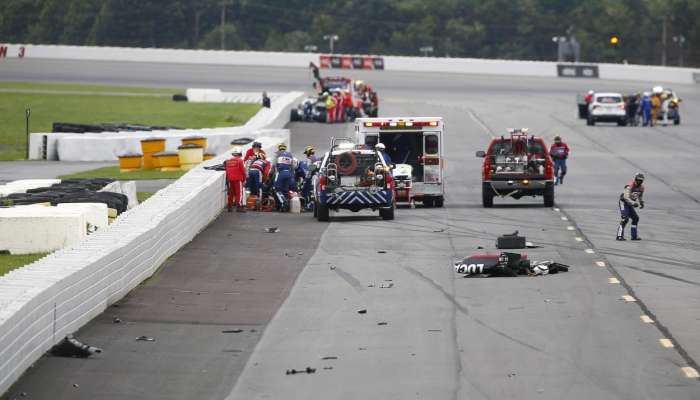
<point x="68" y="127"/>
<point x="73" y="191"/>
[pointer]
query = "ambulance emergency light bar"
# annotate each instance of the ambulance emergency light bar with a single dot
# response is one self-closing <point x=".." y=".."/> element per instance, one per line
<point x="400" y="124"/>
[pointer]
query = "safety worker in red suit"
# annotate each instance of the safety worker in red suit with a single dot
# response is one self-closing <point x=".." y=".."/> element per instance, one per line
<point x="348" y="106"/>
<point x="339" y="108"/>
<point x="258" y="172"/>
<point x="235" y="176"/>
<point x="559" y="151"/>
<point x="631" y="198"/>
<point x="253" y="152"/>
<point x="588" y="99"/>
<point x="330" y="108"/>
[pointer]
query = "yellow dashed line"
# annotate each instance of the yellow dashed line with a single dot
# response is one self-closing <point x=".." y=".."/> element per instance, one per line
<point x="600" y="263"/>
<point x="667" y="343"/>
<point x="613" y="280"/>
<point x="589" y="251"/>
<point x="646" y="319"/>
<point x="690" y="372"/>
<point x="628" y="298"/>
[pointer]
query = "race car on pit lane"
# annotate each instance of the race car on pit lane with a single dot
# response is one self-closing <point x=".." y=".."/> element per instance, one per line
<point x="517" y="166"/>
<point x="313" y="108"/>
<point x="353" y="177"/>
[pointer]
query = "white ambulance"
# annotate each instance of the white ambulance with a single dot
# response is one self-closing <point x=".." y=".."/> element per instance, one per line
<point x="415" y="147"/>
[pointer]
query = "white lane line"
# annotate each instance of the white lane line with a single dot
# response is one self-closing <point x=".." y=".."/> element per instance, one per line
<point x="600" y="263"/>
<point x="613" y="280"/>
<point x="628" y="298"/>
<point x="646" y="319"/>
<point x="589" y="251"/>
<point x="690" y="372"/>
<point x="578" y="239"/>
<point x="564" y="219"/>
<point x="570" y="228"/>
<point x="667" y="343"/>
<point x="556" y="209"/>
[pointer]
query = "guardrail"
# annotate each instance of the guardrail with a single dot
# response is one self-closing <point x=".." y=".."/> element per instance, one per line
<point x="646" y="73"/>
<point x="43" y="302"/>
<point x="107" y="146"/>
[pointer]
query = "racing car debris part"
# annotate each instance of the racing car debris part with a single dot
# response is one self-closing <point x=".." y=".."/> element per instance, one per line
<point x="307" y="370"/>
<point x="510" y="241"/>
<point x="329" y="358"/>
<point x="145" y="339"/>
<point x="232" y="331"/>
<point x="273" y="229"/>
<point x="72" y="347"/>
<point x="506" y="264"/>
<point x="363" y="311"/>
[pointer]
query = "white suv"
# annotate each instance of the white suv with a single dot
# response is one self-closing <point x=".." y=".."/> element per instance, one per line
<point x="607" y="107"/>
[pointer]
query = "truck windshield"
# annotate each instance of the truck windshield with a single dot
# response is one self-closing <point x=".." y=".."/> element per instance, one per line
<point x="505" y="147"/>
<point x="353" y="163"/>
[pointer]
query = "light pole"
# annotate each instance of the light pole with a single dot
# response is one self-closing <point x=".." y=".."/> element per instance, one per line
<point x="223" y="23"/>
<point x="425" y="50"/>
<point x="680" y="39"/>
<point x="331" y="39"/>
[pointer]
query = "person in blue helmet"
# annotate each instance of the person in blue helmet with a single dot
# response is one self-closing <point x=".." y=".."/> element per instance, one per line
<point x="284" y="175"/>
<point x="631" y="198"/>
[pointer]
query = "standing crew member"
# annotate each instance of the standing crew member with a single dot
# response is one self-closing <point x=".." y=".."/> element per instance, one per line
<point x="559" y="152"/>
<point x="235" y="176"/>
<point x="655" y="107"/>
<point x="645" y="110"/>
<point x="254" y="152"/>
<point x="382" y="149"/>
<point x="632" y="197"/>
<point x="283" y="179"/>
<point x="330" y="108"/>
<point x="258" y="173"/>
<point x="339" y="107"/>
<point x="309" y="171"/>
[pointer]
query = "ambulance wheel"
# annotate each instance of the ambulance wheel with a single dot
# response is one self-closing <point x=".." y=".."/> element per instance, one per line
<point x="387" y="213"/>
<point x="487" y="195"/>
<point x="549" y="195"/>
<point x="439" y="201"/>
<point x="428" y="202"/>
<point x="590" y="121"/>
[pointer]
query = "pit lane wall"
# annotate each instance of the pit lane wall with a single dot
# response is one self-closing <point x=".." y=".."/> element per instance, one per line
<point x="647" y="74"/>
<point x="108" y="146"/>
<point x="43" y="302"/>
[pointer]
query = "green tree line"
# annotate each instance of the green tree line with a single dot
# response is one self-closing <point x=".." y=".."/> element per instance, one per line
<point x="508" y="29"/>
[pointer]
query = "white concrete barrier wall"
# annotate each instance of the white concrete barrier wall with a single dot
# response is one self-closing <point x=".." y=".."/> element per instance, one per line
<point x="648" y="74"/>
<point x="48" y="299"/>
<point x="107" y="146"/>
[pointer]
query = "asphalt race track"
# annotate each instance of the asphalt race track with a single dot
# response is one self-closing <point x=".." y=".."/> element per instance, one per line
<point x="567" y="336"/>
